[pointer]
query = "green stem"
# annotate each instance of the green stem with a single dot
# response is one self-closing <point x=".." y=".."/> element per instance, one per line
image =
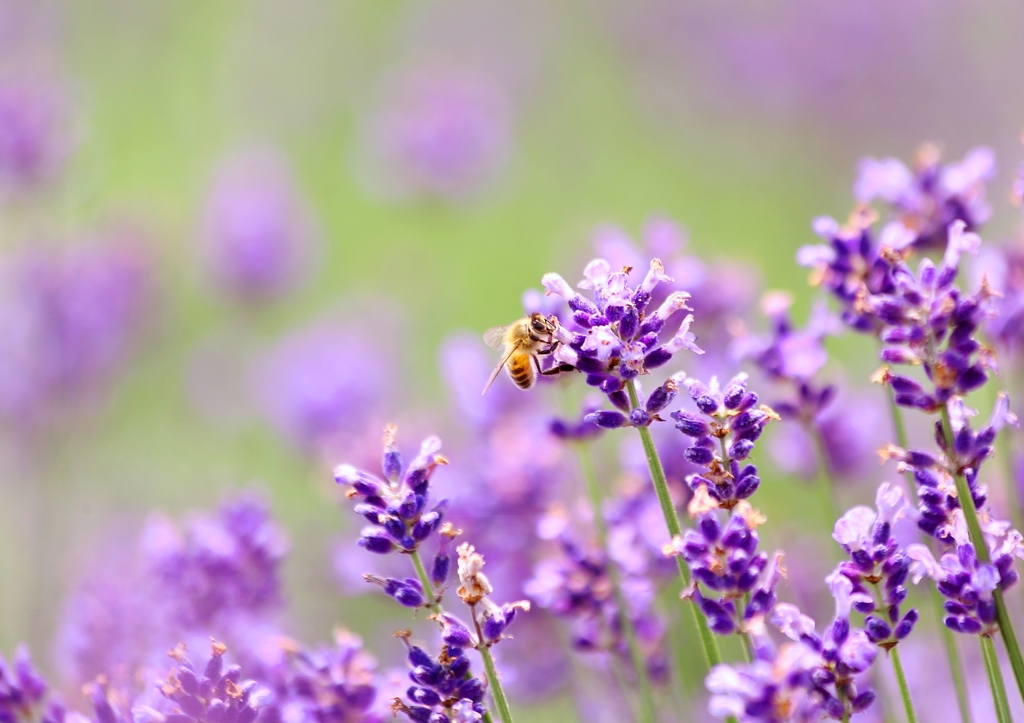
<point x="995" y="680"/>
<point x="500" y="701"/>
<point x="963" y="493"/>
<point x="647" y="708"/>
<point x="956" y="668"/>
<point x="901" y="679"/>
<point x="668" y="511"/>
<point x="428" y="587"/>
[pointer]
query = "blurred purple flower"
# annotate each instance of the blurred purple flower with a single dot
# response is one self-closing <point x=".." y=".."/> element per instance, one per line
<point x="68" y="319"/>
<point x="438" y="134"/>
<point x="218" y="566"/>
<point x="927" y="199"/>
<point x="318" y="382"/>
<point x="334" y="684"/>
<point x="851" y="427"/>
<point x="35" y="138"/>
<point x="258" y="230"/>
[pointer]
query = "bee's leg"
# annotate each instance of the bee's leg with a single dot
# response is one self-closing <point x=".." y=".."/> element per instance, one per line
<point x="551" y="347"/>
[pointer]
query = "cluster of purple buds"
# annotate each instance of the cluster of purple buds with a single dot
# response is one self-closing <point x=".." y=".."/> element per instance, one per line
<point x="927" y="321"/>
<point x="789" y="353"/>
<point x="934" y="476"/>
<point x="213" y="694"/>
<point x="866" y="535"/>
<point x="443" y="689"/>
<point x="23" y="693"/>
<point x="396" y="507"/>
<point x="967" y="583"/>
<point x="850" y="264"/>
<point x="725" y="559"/>
<point x="775" y="687"/>
<point x="577" y="585"/>
<point x="932" y="195"/>
<point x="724" y="430"/>
<point x="409" y="591"/>
<point x="612" y="338"/>
<point x="641" y="416"/>
<point x="845" y="652"/>
<point x="328" y="685"/>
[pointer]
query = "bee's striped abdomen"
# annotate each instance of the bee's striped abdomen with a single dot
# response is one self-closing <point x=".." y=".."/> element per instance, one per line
<point x="520" y="369"/>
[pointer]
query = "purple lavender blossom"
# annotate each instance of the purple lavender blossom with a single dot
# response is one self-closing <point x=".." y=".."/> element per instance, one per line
<point x="846" y="653"/>
<point x="851" y="264"/>
<point x="396" y="506"/>
<point x="866" y="535"/>
<point x="723" y="557"/>
<point x="35" y="138"/>
<point x="314" y="386"/>
<point x="966" y="582"/>
<point x="613" y="339"/>
<point x="439" y="133"/>
<point x="934" y="475"/>
<point x="336" y="684"/>
<point x="927" y="199"/>
<point x="218" y="567"/>
<point x="774" y="688"/>
<point x="575" y="583"/>
<point x="23" y="692"/>
<point x="210" y="694"/>
<point x="68" y="320"/>
<point x="443" y="690"/>
<point x="724" y="429"/>
<point x="257" y="228"/>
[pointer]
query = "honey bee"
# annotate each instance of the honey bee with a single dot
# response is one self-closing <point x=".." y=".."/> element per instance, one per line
<point x="520" y="344"/>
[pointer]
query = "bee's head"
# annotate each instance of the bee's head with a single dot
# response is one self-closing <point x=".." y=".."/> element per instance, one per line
<point x="539" y="324"/>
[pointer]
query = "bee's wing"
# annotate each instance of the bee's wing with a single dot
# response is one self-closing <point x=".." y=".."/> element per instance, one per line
<point x="497" y="369"/>
<point x="495" y="337"/>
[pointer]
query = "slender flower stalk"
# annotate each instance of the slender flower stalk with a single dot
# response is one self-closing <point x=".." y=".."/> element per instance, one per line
<point x="901" y="680"/>
<point x="995" y="681"/>
<point x="668" y="510"/>
<point x="977" y="538"/>
<point x="594" y="493"/>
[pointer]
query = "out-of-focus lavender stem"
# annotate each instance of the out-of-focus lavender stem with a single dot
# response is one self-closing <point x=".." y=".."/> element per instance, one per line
<point x="646" y="703"/>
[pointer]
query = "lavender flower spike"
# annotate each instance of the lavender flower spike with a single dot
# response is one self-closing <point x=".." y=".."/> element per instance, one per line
<point x="877" y="560"/>
<point x="612" y="338"/>
<point x="724" y="430"/>
<point x="443" y="690"/>
<point x="211" y="694"/>
<point x="966" y="582"/>
<point x="396" y="507"/>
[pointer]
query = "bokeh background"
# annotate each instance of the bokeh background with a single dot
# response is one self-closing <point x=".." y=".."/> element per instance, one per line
<point x="237" y="216"/>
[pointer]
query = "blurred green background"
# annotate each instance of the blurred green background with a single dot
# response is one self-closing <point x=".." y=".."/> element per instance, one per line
<point x="618" y="111"/>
